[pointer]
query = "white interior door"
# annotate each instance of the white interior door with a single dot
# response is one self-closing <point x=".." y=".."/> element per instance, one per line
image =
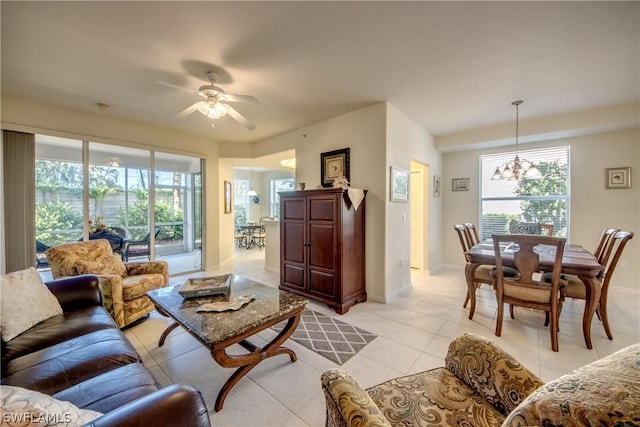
<point x="416" y="213"/>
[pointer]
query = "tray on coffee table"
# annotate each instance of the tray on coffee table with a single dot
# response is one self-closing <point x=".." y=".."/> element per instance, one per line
<point x="206" y="286"/>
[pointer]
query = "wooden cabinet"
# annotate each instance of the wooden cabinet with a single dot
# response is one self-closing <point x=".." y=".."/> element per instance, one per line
<point x="322" y="248"/>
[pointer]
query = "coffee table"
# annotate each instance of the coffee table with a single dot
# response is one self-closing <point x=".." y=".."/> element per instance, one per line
<point x="219" y="331"/>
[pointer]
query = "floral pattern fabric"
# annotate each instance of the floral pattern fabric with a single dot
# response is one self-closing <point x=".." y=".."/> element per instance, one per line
<point x="124" y="295"/>
<point x="603" y="393"/>
<point x="480" y="384"/>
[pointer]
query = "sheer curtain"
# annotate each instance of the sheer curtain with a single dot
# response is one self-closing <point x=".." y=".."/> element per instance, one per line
<point x="19" y="199"/>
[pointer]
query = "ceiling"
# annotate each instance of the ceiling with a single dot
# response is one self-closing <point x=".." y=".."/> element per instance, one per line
<point x="449" y="66"/>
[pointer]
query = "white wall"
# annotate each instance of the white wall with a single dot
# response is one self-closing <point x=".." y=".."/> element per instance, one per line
<point x="592" y="207"/>
<point x="407" y="141"/>
<point x="364" y="132"/>
<point x="27" y="116"/>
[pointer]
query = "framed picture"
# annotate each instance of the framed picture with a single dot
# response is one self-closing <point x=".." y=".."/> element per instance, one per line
<point x="436" y="186"/>
<point x="460" y="184"/>
<point x="227" y="197"/>
<point x="617" y="178"/>
<point x="399" y="185"/>
<point x="334" y="164"/>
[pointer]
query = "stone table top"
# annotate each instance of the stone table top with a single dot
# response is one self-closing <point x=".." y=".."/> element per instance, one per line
<point x="213" y="328"/>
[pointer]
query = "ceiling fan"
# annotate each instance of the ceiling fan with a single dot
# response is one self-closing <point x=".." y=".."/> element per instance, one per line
<point x="215" y="101"/>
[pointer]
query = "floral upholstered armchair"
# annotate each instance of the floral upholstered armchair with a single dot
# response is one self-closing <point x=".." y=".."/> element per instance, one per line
<point x="482" y="385"/>
<point x="124" y="285"/>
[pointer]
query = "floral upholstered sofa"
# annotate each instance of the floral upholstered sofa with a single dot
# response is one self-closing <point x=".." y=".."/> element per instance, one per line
<point x="482" y="385"/>
<point x="124" y="285"/>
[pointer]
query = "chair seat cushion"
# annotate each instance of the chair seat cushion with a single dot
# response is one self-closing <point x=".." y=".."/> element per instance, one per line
<point x="136" y="286"/>
<point x="541" y="295"/>
<point x="434" y="398"/>
<point x="110" y="390"/>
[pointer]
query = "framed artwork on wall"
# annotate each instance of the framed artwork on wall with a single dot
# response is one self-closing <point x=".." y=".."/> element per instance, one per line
<point x="227" y="197"/>
<point x="460" y="184"/>
<point x="334" y="164"/>
<point x="436" y="186"/>
<point x="399" y="185"/>
<point x="617" y="178"/>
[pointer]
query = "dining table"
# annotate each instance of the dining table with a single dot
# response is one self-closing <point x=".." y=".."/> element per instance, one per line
<point x="576" y="260"/>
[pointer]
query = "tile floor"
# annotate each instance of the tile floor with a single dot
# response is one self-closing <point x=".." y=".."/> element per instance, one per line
<point x="414" y="332"/>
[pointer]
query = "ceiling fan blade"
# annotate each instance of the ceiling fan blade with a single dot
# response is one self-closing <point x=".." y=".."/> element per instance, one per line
<point x="190" y="109"/>
<point x="240" y="118"/>
<point x="239" y="98"/>
<point x="163" y="83"/>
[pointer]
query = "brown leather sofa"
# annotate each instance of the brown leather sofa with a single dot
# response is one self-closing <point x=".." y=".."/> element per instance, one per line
<point x="81" y="356"/>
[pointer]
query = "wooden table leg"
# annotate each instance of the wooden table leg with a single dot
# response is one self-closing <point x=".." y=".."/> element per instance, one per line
<point x="469" y="273"/>
<point x="246" y="362"/>
<point x="593" y="289"/>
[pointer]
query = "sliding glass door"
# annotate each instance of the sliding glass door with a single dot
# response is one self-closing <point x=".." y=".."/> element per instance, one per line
<point x="111" y="196"/>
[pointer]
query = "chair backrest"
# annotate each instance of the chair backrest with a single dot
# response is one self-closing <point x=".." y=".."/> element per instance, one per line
<point x="527" y="260"/>
<point x="63" y="258"/>
<point x="519" y="227"/>
<point x="119" y="231"/>
<point x="548" y="228"/>
<point x="464" y="239"/>
<point x="615" y="247"/>
<point x="472" y="232"/>
<point x="602" y="243"/>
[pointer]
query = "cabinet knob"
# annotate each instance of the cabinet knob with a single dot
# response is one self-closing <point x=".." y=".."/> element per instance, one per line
<point x="306" y="244"/>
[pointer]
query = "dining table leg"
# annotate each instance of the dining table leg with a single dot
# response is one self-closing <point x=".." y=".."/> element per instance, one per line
<point x="469" y="273"/>
<point x="593" y="289"/>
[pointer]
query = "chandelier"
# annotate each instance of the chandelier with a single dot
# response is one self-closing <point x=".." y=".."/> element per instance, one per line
<point x="517" y="168"/>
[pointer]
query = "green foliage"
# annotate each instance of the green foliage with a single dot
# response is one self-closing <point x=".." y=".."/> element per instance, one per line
<point x="56" y="216"/>
<point x="139" y="217"/>
<point x="553" y="183"/>
<point x="54" y="176"/>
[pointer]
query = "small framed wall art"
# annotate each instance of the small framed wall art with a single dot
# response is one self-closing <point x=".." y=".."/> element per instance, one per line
<point x="460" y="184"/>
<point x="227" y="197"/>
<point x="615" y="178"/>
<point x="334" y="164"/>
<point x="399" y="185"/>
<point x="436" y="186"/>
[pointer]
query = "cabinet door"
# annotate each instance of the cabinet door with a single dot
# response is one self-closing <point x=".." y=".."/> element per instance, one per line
<point x="293" y="239"/>
<point x="322" y="238"/>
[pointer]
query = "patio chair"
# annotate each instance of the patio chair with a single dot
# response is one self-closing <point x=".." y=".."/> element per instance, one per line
<point x="138" y="248"/>
<point x="123" y="286"/>
<point x="41" y="258"/>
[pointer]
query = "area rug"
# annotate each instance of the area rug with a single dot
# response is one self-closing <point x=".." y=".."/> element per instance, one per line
<point x="332" y="338"/>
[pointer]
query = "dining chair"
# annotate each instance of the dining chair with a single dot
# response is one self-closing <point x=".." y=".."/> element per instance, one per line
<point x="472" y="233"/>
<point x="547" y="228"/>
<point x="483" y="274"/>
<point x="607" y="234"/>
<point x="609" y="256"/>
<point x="528" y="289"/>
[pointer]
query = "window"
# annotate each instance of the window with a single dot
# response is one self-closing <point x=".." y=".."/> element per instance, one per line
<point x="279" y="185"/>
<point x="240" y="201"/>
<point x="545" y="200"/>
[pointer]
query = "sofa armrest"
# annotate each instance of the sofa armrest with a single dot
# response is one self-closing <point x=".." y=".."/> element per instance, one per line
<point x="492" y="372"/>
<point x="349" y="404"/>
<point x="76" y="292"/>
<point x="175" y="405"/>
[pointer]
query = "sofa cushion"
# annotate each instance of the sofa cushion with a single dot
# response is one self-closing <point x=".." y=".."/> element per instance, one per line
<point x="111" y="389"/>
<point x="43" y="410"/>
<point x="25" y="301"/>
<point x="63" y="365"/>
<point x="55" y="330"/>
<point x="435" y="397"/>
<point x="108" y="264"/>
<point x="602" y="393"/>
